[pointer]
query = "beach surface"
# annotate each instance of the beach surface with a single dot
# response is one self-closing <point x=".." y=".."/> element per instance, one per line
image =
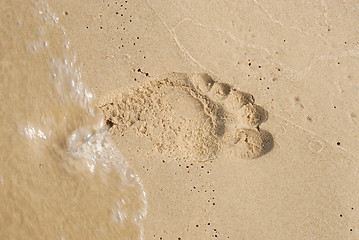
<point x="240" y="118"/>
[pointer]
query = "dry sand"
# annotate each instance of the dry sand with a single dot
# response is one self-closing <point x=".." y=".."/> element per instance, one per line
<point x="214" y="164"/>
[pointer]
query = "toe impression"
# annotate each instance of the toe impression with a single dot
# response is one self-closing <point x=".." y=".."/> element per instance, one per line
<point x="236" y="100"/>
<point x="202" y="81"/>
<point x="220" y="91"/>
<point x="250" y="116"/>
<point x="251" y="143"/>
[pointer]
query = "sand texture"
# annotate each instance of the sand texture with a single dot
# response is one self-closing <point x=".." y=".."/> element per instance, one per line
<point x="240" y="118"/>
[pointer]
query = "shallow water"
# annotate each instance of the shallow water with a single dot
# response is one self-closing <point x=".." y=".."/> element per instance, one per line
<point x="60" y="176"/>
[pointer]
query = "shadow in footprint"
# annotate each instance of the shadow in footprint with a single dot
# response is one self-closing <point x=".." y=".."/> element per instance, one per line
<point x="263" y="113"/>
<point x="268" y="142"/>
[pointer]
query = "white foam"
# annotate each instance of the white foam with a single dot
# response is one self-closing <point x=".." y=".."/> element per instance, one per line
<point x="34" y="133"/>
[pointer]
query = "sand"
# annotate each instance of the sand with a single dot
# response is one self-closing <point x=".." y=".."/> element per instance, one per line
<point x="191" y="114"/>
<point x="239" y="117"/>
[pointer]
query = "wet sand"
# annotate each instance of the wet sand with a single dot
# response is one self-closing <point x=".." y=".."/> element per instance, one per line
<point x="61" y="176"/>
<point x="204" y="175"/>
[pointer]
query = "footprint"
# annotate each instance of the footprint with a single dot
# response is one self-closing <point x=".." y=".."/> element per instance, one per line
<point x="190" y="115"/>
<point x="243" y="117"/>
